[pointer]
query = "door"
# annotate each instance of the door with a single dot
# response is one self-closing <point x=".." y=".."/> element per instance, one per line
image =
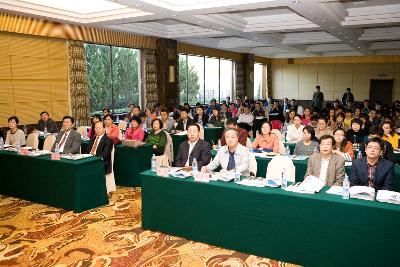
<point x="381" y="90"/>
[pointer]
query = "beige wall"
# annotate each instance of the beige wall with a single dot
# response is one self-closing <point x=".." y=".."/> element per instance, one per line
<point x="33" y="77"/>
<point x="299" y="80"/>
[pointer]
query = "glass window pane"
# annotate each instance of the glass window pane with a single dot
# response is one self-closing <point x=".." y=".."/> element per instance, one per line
<point x="125" y="66"/>
<point x="98" y="72"/>
<point x="195" y="79"/>
<point x="257" y="81"/>
<point x="182" y="79"/>
<point x="226" y="79"/>
<point x="212" y="79"/>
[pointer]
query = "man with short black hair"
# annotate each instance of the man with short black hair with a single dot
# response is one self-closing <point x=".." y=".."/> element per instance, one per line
<point x="168" y="122"/>
<point x="318" y="98"/>
<point x="347" y="97"/>
<point x="101" y="145"/>
<point x="194" y="147"/>
<point x="68" y="140"/>
<point x="325" y="165"/>
<point x="243" y="134"/>
<point x="184" y="120"/>
<point x="46" y="122"/>
<point x="373" y="170"/>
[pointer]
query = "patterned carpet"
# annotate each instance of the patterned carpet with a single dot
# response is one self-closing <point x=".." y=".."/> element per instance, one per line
<point x="38" y="235"/>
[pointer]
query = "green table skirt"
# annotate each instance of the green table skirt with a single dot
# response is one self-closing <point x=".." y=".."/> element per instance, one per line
<point x="72" y="185"/>
<point x="310" y="230"/>
<point x="129" y="162"/>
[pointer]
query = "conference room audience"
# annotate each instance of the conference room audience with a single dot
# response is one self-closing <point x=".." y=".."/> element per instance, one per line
<point x="389" y="134"/>
<point x="211" y="106"/>
<point x="216" y="120"/>
<point x="224" y="112"/>
<point x="14" y="134"/>
<point x="200" y="117"/>
<point x="194" y="147"/>
<point x="342" y="147"/>
<point x="308" y="145"/>
<point x="46" y="122"/>
<point x="100" y="145"/>
<point x="266" y="139"/>
<point x="230" y="157"/>
<point x="106" y="111"/>
<point x="322" y="127"/>
<point x="112" y="130"/>
<point x="275" y="112"/>
<point x="295" y="130"/>
<point x="168" y="122"/>
<point x="94" y="119"/>
<point x="68" y="140"/>
<point x="245" y="119"/>
<point x="348" y="117"/>
<point x="150" y="116"/>
<point x="133" y="111"/>
<point x="355" y="134"/>
<point x="387" y="148"/>
<point x="233" y="110"/>
<point x="134" y="131"/>
<point x="157" y="137"/>
<point x="327" y="166"/>
<point x="307" y="114"/>
<point x="242" y="133"/>
<point x="184" y="120"/>
<point x="372" y="170"/>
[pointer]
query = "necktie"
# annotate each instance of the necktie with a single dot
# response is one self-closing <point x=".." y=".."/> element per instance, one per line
<point x="231" y="162"/>
<point x="63" y="140"/>
<point x="93" y="151"/>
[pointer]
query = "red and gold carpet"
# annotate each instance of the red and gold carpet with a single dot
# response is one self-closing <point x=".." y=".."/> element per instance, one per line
<point x="38" y="235"/>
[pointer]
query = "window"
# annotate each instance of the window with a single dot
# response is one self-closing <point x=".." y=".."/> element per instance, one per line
<point x="202" y="79"/>
<point x="113" y="77"/>
<point x="258" y="77"/>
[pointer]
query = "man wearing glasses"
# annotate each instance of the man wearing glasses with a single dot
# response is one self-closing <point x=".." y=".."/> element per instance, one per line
<point x="373" y="170"/>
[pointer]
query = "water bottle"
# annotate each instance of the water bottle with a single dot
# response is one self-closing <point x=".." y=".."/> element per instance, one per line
<point x="284" y="179"/>
<point x="25" y="130"/>
<point x="77" y="123"/>
<point x="153" y="163"/>
<point x="287" y="151"/>
<point x="57" y="149"/>
<point x="257" y="133"/>
<point x="346" y="188"/>
<point x="236" y="177"/>
<point x="1" y="143"/>
<point x="18" y="145"/>
<point x="195" y="168"/>
<point x="359" y="154"/>
<point x="219" y="144"/>
<point x="354" y="139"/>
<point x="315" y="150"/>
<point x="45" y="130"/>
<point x="117" y="120"/>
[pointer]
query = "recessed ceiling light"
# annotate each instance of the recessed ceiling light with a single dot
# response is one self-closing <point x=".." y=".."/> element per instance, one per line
<point x="173" y="15"/>
<point x="310" y="11"/>
<point x="323" y="19"/>
<point x="387" y="24"/>
<point x="295" y="1"/>
<point x="199" y="22"/>
<point x="351" y="41"/>
<point x="359" y="46"/>
<point x="346" y="37"/>
<point x="332" y="27"/>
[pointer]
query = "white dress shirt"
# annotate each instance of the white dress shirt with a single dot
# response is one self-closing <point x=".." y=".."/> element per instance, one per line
<point x="246" y="118"/>
<point x="98" y="141"/>
<point x="294" y="134"/>
<point x="241" y="155"/>
<point x="65" y="135"/>
<point x="191" y="146"/>
<point x="324" y="169"/>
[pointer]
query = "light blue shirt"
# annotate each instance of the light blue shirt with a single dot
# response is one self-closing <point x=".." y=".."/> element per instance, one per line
<point x="241" y="155"/>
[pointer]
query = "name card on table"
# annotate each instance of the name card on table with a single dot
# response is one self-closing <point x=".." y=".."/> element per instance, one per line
<point x="162" y="171"/>
<point x="55" y="156"/>
<point x="202" y="177"/>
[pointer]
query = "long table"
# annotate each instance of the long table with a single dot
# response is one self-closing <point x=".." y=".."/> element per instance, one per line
<point x="311" y="230"/>
<point x="72" y="185"/>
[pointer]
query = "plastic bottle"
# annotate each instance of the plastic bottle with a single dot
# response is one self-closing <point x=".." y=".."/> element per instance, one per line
<point x="346" y="188"/>
<point x="1" y="143"/>
<point x="284" y="179"/>
<point x="287" y="151"/>
<point x="219" y="144"/>
<point x="359" y="155"/>
<point x="25" y="130"/>
<point x="45" y="130"/>
<point x="195" y="168"/>
<point x="18" y="145"/>
<point x="153" y="163"/>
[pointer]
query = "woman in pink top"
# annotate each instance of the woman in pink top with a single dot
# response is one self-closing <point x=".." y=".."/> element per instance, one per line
<point x="112" y="130"/>
<point x="135" y="132"/>
<point x="266" y="139"/>
<point x="307" y="116"/>
<point x="233" y="110"/>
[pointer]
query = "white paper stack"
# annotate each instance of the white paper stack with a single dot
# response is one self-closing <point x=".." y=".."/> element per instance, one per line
<point x="257" y="182"/>
<point x="335" y="190"/>
<point x="310" y="185"/>
<point x="388" y="196"/>
<point x="76" y="156"/>
<point x="362" y="192"/>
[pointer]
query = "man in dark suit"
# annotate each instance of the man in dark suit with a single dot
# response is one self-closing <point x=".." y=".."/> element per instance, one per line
<point x="101" y="146"/>
<point x="193" y="148"/>
<point x="184" y="120"/>
<point x="46" y="122"/>
<point x="68" y="140"/>
<point x="373" y="170"/>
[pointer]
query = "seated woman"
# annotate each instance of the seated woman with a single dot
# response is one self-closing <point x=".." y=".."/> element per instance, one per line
<point x="389" y="134"/>
<point x="342" y="147"/>
<point x="112" y="130"/>
<point x="14" y="134"/>
<point x="266" y="139"/>
<point x="322" y="127"/>
<point x="157" y="137"/>
<point x="308" y="145"/>
<point x="355" y="134"/>
<point x="96" y="118"/>
<point x="200" y="117"/>
<point x="295" y="130"/>
<point x="134" y="132"/>
<point x="216" y="120"/>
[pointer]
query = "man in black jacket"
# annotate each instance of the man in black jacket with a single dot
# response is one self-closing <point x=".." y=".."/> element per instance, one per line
<point x="184" y="120"/>
<point x="193" y="148"/>
<point x="101" y="146"/>
<point x="46" y="122"/>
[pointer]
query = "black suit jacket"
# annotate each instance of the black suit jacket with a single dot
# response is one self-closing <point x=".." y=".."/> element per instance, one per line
<point x="204" y="119"/>
<point x="384" y="174"/>
<point x="201" y="151"/>
<point x="180" y="126"/>
<point x="103" y="151"/>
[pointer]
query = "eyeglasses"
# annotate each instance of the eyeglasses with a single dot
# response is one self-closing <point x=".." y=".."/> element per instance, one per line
<point x="373" y="147"/>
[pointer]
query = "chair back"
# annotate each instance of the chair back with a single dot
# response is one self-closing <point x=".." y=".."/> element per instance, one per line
<point x="252" y="163"/>
<point x="162" y="160"/>
<point x="201" y="134"/>
<point x="276" y="166"/>
<point x="33" y="140"/>
<point x="110" y="179"/>
<point x="169" y="148"/>
<point x="81" y="130"/>
<point x="49" y="142"/>
<point x="122" y="125"/>
<point x="276" y="124"/>
<point x="248" y="143"/>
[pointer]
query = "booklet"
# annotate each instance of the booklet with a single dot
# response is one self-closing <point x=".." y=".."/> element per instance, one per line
<point x="388" y="196"/>
<point x="362" y="192"/>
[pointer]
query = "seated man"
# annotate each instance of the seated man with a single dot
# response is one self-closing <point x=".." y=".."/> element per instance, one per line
<point x="68" y="140"/>
<point x="184" y="120"/>
<point x="243" y="134"/>
<point x="101" y="146"/>
<point x="168" y="122"/>
<point x="387" y="149"/>
<point x="245" y="119"/>
<point x="231" y="157"/>
<point x="325" y="165"/>
<point x="46" y="122"/>
<point x="373" y="170"/>
<point x="193" y="148"/>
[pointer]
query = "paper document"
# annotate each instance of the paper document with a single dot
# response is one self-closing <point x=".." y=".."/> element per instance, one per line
<point x="335" y="190"/>
<point x="76" y="156"/>
<point x="310" y="185"/>
<point x="257" y="182"/>
<point x="388" y="196"/>
<point x="362" y="192"/>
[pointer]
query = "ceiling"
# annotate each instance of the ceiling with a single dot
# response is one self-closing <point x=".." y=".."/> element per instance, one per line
<point x="276" y="29"/>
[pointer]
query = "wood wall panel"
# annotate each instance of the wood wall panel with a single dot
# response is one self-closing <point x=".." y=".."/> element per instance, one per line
<point x="5" y="67"/>
<point x="29" y="112"/>
<point x="6" y="91"/>
<point x="31" y="90"/>
<point x="60" y="109"/>
<point x="58" y="69"/>
<point x="6" y="111"/>
<point x="57" y="48"/>
<point x="4" y="47"/>
<point x="59" y="89"/>
<point x="29" y="67"/>
<point x="29" y="46"/>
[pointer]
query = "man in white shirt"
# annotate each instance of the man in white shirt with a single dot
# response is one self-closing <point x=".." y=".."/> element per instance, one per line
<point x="193" y="148"/>
<point x="231" y="157"/>
<point x="325" y="165"/>
<point x="246" y="119"/>
<point x="68" y="140"/>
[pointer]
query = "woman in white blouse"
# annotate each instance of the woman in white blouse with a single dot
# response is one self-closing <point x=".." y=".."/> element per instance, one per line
<point x="295" y="130"/>
<point x="14" y="134"/>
